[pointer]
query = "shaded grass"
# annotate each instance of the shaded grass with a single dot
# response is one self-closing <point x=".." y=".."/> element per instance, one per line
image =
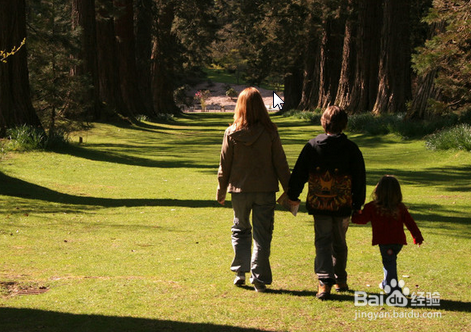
<point x="124" y="234"/>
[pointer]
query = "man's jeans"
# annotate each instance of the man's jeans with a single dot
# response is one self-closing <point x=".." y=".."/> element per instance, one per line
<point x="389" y="254"/>
<point x="262" y="206"/>
<point x="331" y="248"/>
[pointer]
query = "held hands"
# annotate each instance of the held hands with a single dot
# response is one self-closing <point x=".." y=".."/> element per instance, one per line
<point x="293" y="203"/>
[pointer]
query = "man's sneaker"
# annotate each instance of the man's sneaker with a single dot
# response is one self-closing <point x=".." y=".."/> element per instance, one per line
<point x="259" y="286"/>
<point x="323" y="292"/>
<point x="341" y="287"/>
<point x="239" y="279"/>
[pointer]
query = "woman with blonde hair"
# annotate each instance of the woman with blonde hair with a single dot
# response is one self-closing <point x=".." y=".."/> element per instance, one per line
<point x="252" y="162"/>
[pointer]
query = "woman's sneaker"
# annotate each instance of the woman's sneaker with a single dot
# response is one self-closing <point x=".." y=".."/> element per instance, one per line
<point x="259" y="286"/>
<point x="239" y="279"/>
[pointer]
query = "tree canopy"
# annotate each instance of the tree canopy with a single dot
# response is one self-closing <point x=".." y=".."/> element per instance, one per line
<point x="96" y="59"/>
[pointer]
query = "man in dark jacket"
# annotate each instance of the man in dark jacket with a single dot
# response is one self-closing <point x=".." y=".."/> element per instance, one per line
<point x="335" y="170"/>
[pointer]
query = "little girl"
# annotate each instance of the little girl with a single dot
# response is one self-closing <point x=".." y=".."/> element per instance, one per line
<point x="387" y="214"/>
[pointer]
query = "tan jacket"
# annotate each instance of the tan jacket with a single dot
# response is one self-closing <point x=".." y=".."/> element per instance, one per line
<point x="252" y="160"/>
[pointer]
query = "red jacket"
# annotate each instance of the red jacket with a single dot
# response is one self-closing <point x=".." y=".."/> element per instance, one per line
<point x="388" y="229"/>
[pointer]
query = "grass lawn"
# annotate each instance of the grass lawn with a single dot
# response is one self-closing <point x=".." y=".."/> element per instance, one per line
<point x="122" y="233"/>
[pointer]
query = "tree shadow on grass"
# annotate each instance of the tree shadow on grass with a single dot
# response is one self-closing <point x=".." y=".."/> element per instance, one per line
<point x="113" y="156"/>
<point x="13" y="319"/>
<point x="440" y="216"/>
<point x="455" y="179"/>
<point x="349" y="296"/>
<point x="10" y="186"/>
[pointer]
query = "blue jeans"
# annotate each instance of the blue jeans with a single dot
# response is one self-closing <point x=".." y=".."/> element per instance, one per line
<point x="331" y="248"/>
<point x="262" y="207"/>
<point x="389" y="254"/>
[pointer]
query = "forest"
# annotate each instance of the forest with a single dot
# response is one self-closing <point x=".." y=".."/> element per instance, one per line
<point x="89" y="60"/>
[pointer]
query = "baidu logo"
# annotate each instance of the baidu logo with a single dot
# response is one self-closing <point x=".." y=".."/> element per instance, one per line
<point x="393" y="296"/>
<point x="396" y="298"/>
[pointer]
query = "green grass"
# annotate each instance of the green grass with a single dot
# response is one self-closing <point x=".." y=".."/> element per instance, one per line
<point x="122" y="233"/>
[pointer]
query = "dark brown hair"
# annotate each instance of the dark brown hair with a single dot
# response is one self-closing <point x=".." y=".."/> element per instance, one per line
<point x="334" y="120"/>
<point x="387" y="195"/>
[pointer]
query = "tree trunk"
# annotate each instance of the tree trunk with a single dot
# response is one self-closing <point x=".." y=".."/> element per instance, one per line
<point x="365" y="88"/>
<point x="420" y="107"/>
<point x="83" y="16"/>
<point x="163" y="51"/>
<point x="426" y="88"/>
<point x="126" y="45"/>
<point x="144" y="18"/>
<point x="108" y="67"/>
<point x="293" y="89"/>
<point x="394" y="88"/>
<point x="16" y="107"/>
<point x="347" y="73"/>
<point x="310" y="89"/>
<point x="331" y="58"/>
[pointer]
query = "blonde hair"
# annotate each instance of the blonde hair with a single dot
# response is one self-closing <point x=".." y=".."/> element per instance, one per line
<point x="387" y="195"/>
<point x="250" y="110"/>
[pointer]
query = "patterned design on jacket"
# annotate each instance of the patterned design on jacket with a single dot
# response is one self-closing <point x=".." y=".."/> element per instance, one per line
<point x="329" y="192"/>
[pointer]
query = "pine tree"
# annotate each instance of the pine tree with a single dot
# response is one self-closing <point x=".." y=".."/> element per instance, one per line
<point x="57" y="95"/>
<point x="445" y="58"/>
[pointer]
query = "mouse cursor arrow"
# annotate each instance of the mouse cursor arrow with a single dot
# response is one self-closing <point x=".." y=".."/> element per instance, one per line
<point x="277" y="101"/>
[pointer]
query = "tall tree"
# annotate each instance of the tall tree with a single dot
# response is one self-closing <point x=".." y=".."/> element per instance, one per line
<point x="126" y="45"/>
<point x="331" y="51"/>
<point x="394" y="88"/>
<point x="444" y="59"/>
<point x="108" y="66"/>
<point x="347" y="72"/>
<point x="163" y="61"/>
<point x="84" y="19"/>
<point x="15" y="99"/>
<point x="144" y="28"/>
<point x="368" y="40"/>
<point x="311" y="71"/>
<point x="55" y="93"/>
<point x="427" y="92"/>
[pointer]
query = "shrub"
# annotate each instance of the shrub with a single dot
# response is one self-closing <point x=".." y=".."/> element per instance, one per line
<point x="142" y="117"/>
<point x="58" y="139"/>
<point x="458" y="137"/>
<point x="313" y="117"/>
<point x="390" y="123"/>
<point x="231" y="93"/>
<point x="165" y="117"/>
<point x="28" y="138"/>
<point x="25" y="138"/>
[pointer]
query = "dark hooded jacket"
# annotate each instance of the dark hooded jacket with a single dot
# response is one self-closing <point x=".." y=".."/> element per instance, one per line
<point x="252" y="160"/>
<point x="336" y="156"/>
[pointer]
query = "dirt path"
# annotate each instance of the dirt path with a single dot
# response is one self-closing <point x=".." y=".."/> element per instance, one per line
<point x="218" y="98"/>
